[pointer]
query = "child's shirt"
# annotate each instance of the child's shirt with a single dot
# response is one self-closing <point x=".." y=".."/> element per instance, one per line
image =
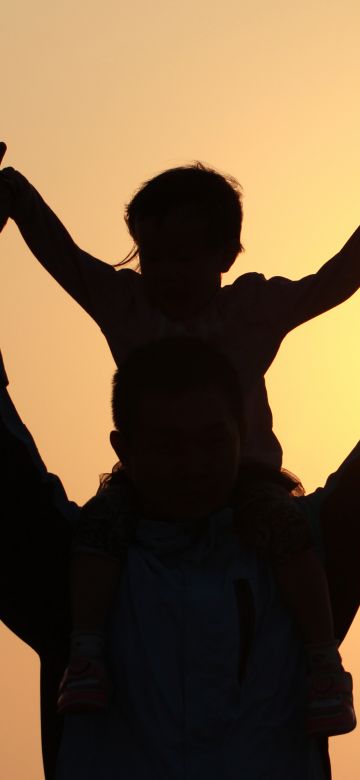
<point x="247" y="319"/>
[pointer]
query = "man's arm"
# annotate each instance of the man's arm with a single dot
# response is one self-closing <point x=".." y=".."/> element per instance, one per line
<point x="334" y="517"/>
<point x="37" y="520"/>
<point x="340" y="523"/>
<point x="88" y="280"/>
<point x="36" y="532"/>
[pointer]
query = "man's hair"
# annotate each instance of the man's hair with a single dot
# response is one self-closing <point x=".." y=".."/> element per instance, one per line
<point x="212" y="195"/>
<point x="173" y="367"/>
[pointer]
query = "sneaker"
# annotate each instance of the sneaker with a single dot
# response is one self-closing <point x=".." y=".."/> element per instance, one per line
<point x="85" y="687"/>
<point x="330" y="703"/>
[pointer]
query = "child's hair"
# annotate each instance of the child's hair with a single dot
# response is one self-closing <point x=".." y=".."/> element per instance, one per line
<point x="214" y="196"/>
<point x="171" y="366"/>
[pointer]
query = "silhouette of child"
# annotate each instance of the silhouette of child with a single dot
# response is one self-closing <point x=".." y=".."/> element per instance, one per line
<point x="186" y="226"/>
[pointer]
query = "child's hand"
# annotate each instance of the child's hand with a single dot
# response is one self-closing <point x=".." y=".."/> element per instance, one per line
<point x="4" y="193"/>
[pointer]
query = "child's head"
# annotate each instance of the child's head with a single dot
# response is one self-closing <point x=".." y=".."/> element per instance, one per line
<point x="178" y="419"/>
<point x="186" y="225"/>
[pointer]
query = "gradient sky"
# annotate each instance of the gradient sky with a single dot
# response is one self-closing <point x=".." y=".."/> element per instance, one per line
<point x="94" y="101"/>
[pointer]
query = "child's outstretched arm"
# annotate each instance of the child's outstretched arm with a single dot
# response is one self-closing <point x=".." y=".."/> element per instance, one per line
<point x="336" y="281"/>
<point x="294" y="302"/>
<point x="88" y="280"/>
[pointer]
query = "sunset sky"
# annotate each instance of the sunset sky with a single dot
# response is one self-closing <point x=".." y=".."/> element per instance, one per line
<point x="94" y="100"/>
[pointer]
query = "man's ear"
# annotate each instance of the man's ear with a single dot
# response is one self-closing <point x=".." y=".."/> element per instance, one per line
<point x="117" y="443"/>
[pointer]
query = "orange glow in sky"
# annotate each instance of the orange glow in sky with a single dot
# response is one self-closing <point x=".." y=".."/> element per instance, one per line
<point x="94" y="100"/>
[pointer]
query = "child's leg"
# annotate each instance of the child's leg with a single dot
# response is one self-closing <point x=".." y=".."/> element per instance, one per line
<point x="278" y="529"/>
<point x="304" y="586"/>
<point x="99" y="550"/>
<point x="85" y="685"/>
<point x="93" y="578"/>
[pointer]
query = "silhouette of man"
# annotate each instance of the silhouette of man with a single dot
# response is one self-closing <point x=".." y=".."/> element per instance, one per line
<point x="181" y="599"/>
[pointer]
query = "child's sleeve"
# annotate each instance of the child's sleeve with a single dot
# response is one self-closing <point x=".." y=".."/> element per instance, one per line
<point x="88" y="280"/>
<point x="290" y="303"/>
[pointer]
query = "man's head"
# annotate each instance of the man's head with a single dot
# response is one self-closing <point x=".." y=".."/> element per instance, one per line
<point x="186" y="225"/>
<point x="178" y="418"/>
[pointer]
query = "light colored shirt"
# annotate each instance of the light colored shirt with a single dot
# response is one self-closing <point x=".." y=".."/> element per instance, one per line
<point x="248" y="319"/>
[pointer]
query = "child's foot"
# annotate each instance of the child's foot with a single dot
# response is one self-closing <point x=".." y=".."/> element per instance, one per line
<point x="84" y="687"/>
<point x="330" y="703"/>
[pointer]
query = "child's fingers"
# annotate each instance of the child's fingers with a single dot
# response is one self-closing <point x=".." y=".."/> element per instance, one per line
<point x="2" y="150"/>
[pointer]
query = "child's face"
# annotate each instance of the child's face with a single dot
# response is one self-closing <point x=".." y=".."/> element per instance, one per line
<point x="184" y="455"/>
<point x="179" y="266"/>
